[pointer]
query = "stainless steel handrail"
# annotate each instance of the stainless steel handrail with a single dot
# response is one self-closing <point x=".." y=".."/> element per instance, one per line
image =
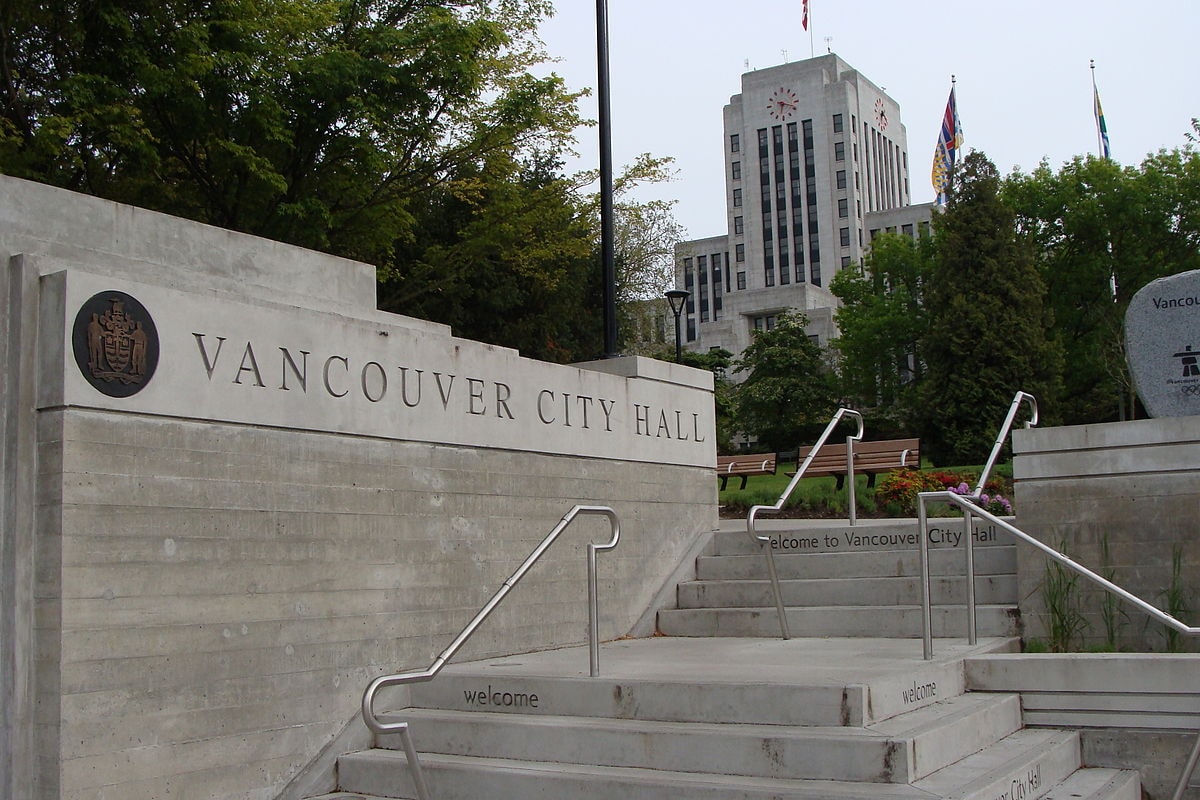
<point x="419" y="676"/>
<point x="1018" y="398"/>
<point x="970" y="509"/>
<point x="765" y="541"/>
<point x="1005" y="428"/>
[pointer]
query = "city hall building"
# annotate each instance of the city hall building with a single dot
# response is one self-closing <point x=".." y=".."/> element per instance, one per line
<point x="816" y="163"/>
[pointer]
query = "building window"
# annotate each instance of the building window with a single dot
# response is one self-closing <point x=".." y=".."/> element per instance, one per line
<point x="735" y="143"/>
<point x="843" y="208"/>
<point x="839" y="151"/>
<point x="766" y="323"/>
<point x="907" y="230"/>
<point x="737" y="198"/>
<point x="736" y="169"/>
<point x="739" y="226"/>
<point x="844" y="236"/>
<point x="741" y="280"/>
<point x="841" y="179"/>
<point x="837" y="123"/>
<point x="739" y="254"/>
<point x="845" y="261"/>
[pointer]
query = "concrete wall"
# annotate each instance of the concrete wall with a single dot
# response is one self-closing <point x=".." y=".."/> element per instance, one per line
<point x="1133" y="487"/>
<point x="200" y="578"/>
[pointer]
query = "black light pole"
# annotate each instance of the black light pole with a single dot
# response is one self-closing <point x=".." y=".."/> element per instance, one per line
<point x="677" y="297"/>
<point x="608" y="258"/>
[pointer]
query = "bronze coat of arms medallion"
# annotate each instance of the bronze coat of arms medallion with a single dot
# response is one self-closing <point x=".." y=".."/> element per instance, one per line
<point x="115" y="344"/>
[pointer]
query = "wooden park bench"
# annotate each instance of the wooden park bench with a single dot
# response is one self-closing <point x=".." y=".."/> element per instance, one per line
<point x="744" y="466"/>
<point x="870" y="458"/>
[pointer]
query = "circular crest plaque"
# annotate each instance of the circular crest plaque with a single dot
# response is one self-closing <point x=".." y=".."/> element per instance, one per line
<point x="115" y="344"/>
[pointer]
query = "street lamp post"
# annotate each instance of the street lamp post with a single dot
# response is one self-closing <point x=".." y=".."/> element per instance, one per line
<point x="677" y="297"/>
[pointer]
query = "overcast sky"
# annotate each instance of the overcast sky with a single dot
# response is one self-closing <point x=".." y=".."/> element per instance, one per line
<point x="1024" y="86"/>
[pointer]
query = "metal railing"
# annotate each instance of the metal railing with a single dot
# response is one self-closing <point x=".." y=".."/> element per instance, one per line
<point x="965" y="502"/>
<point x="765" y="541"/>
<point x="970" y="510"/>
<point x="420" y="676"/>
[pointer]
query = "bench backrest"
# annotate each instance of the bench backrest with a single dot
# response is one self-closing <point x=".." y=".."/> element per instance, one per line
<point x="885" y="454"/>
<point x="754" y="463"/>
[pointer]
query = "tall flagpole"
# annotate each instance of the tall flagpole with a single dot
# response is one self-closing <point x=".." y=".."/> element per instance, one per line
<point x="607" y="248"/>
<point x="1096" y="111"/>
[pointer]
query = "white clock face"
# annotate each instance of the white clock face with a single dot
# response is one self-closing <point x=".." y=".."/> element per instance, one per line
<point x="783" y="103"/>
<point x="881" y="118"/>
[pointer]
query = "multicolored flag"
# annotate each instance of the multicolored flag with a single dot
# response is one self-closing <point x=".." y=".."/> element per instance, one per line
<point x="950" y="139"/>
<point x="804" y="18"/>
<point x="1101" y="126"/>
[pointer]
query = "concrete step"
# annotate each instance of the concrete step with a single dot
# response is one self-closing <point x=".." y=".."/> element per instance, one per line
<point x="989" y="589"/>
<point x="1027" y="765"/>
<point x="897" y="751"/>
<point x="1000" y="560"/>
<point x="1024" y="766"/>
<point x="847" y="621"/>
<point x="385" y="773"/>
<point x="866" y="536"/>
<point x="1098" y="784"/>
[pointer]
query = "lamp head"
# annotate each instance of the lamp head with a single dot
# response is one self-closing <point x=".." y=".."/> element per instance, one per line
<point x="677" y="297"/>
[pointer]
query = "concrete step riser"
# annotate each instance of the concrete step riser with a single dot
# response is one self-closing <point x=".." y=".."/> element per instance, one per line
<point x="750" y="702"/>
<point x="1029" y="771"/>
<point x="848" y="621"/>
<point x="991" y="589"/>
<point x="462" y="779"/>
<point x="965" y="726"/>
<point x="943" y="535"/>
<point x="649" y="700"/>
<point x="900" y="563"/>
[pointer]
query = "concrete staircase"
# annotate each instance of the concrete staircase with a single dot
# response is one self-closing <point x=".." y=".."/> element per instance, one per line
<point x="709" y="712"/>
<point x="839" y="580"/>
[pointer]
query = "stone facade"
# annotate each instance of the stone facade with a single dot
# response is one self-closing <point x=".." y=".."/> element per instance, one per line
<point x="200" y="578"/>
<point x="816" y="162"/>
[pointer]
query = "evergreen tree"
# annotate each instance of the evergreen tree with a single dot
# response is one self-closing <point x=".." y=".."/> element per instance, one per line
<point x="988" y="318"/>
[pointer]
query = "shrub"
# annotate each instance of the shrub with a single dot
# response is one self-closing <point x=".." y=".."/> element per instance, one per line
<point x="898" y="491"/>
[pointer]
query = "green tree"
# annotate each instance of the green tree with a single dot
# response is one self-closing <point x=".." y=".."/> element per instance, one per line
<point x="322" y="123"/>
<point x="504" y="254"/>
<point x="1100" y="232"/>
<point x="882" y="322"/>
<point x="789" y="391"/>
<point x="988" y="319"/>
<point x="718" y="361"/>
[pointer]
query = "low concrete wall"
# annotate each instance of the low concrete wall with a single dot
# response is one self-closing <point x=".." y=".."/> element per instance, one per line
<point x="201" y="577"/>
<point x="1131" y="489"/>
<point x="1134" y="711"/>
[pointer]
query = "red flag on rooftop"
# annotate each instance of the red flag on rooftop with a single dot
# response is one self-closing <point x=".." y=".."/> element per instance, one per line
<point x="804" y="18"/>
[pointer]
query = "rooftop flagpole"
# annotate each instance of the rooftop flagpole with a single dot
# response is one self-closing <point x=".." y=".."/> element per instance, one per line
<point x="812" y="52"/>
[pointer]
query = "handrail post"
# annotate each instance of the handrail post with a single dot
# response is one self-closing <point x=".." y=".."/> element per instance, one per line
<point x="972" y="617"/>
<point x="1188" y="769"/>
<point x="752" y="515"/>
<point x="850" y="481"/>
<point x="926" y="602"/>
